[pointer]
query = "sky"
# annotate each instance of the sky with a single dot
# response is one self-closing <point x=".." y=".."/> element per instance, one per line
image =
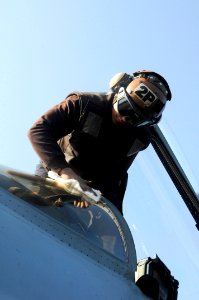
<point x="51" y="48"/>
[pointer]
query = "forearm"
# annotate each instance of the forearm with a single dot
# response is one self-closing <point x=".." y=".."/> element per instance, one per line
<point x="47" y="130"/>
<point x="47" y="149"/>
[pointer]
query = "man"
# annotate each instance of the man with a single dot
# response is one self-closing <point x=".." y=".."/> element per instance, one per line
<point x="94" y="137"/>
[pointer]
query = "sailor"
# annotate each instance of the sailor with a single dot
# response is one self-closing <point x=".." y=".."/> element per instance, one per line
<point x="95" y="137"/>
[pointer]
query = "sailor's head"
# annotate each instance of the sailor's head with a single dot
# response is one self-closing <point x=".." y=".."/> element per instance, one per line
<point x="140" y="97"/>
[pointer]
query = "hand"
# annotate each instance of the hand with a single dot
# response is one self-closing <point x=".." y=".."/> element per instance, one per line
<point x="81" y="204"/>
<point x="68" y="173"/>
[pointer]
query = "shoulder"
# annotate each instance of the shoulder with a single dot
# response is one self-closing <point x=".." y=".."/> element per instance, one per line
<point x="93" y="101"/>
<point x="96" y="97"/>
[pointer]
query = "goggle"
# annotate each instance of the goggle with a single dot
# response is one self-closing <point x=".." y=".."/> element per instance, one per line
<point x="127" y="108"/>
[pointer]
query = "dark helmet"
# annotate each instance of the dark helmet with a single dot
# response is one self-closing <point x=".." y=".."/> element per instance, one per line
<point x="142" y="96"/>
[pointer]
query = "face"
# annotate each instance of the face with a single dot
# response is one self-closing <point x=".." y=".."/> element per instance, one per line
<point x="117" y="118"/>
<point x="136" y="119"/>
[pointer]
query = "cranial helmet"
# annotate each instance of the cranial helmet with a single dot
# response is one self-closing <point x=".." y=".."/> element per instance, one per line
<point x="141" y="96"/>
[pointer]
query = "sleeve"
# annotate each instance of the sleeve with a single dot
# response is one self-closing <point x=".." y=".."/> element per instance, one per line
<point x="53" y="125"/>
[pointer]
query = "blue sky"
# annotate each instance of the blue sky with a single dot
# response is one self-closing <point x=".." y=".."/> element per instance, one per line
<point x="50" y="48"/>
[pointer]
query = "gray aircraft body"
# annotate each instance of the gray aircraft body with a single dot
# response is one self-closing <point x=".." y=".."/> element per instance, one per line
<point x="51" y="249"/>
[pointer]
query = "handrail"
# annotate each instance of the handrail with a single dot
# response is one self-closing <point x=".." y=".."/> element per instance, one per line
<point x="175" y="172"/>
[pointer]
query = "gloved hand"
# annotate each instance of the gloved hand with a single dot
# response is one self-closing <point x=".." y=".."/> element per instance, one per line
<point x="68" y="174"/>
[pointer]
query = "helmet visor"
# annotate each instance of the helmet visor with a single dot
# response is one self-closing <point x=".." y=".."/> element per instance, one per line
<point x="127" y="108"/>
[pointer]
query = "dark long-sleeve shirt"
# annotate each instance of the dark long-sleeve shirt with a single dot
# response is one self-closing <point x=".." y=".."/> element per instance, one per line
<point x="79" y="133"/>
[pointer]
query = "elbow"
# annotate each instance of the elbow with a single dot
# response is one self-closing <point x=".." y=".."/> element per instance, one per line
<point x="30" y="134"/>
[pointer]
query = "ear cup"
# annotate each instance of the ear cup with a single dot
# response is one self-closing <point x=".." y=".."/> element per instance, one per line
<point x="119" y="80"/>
